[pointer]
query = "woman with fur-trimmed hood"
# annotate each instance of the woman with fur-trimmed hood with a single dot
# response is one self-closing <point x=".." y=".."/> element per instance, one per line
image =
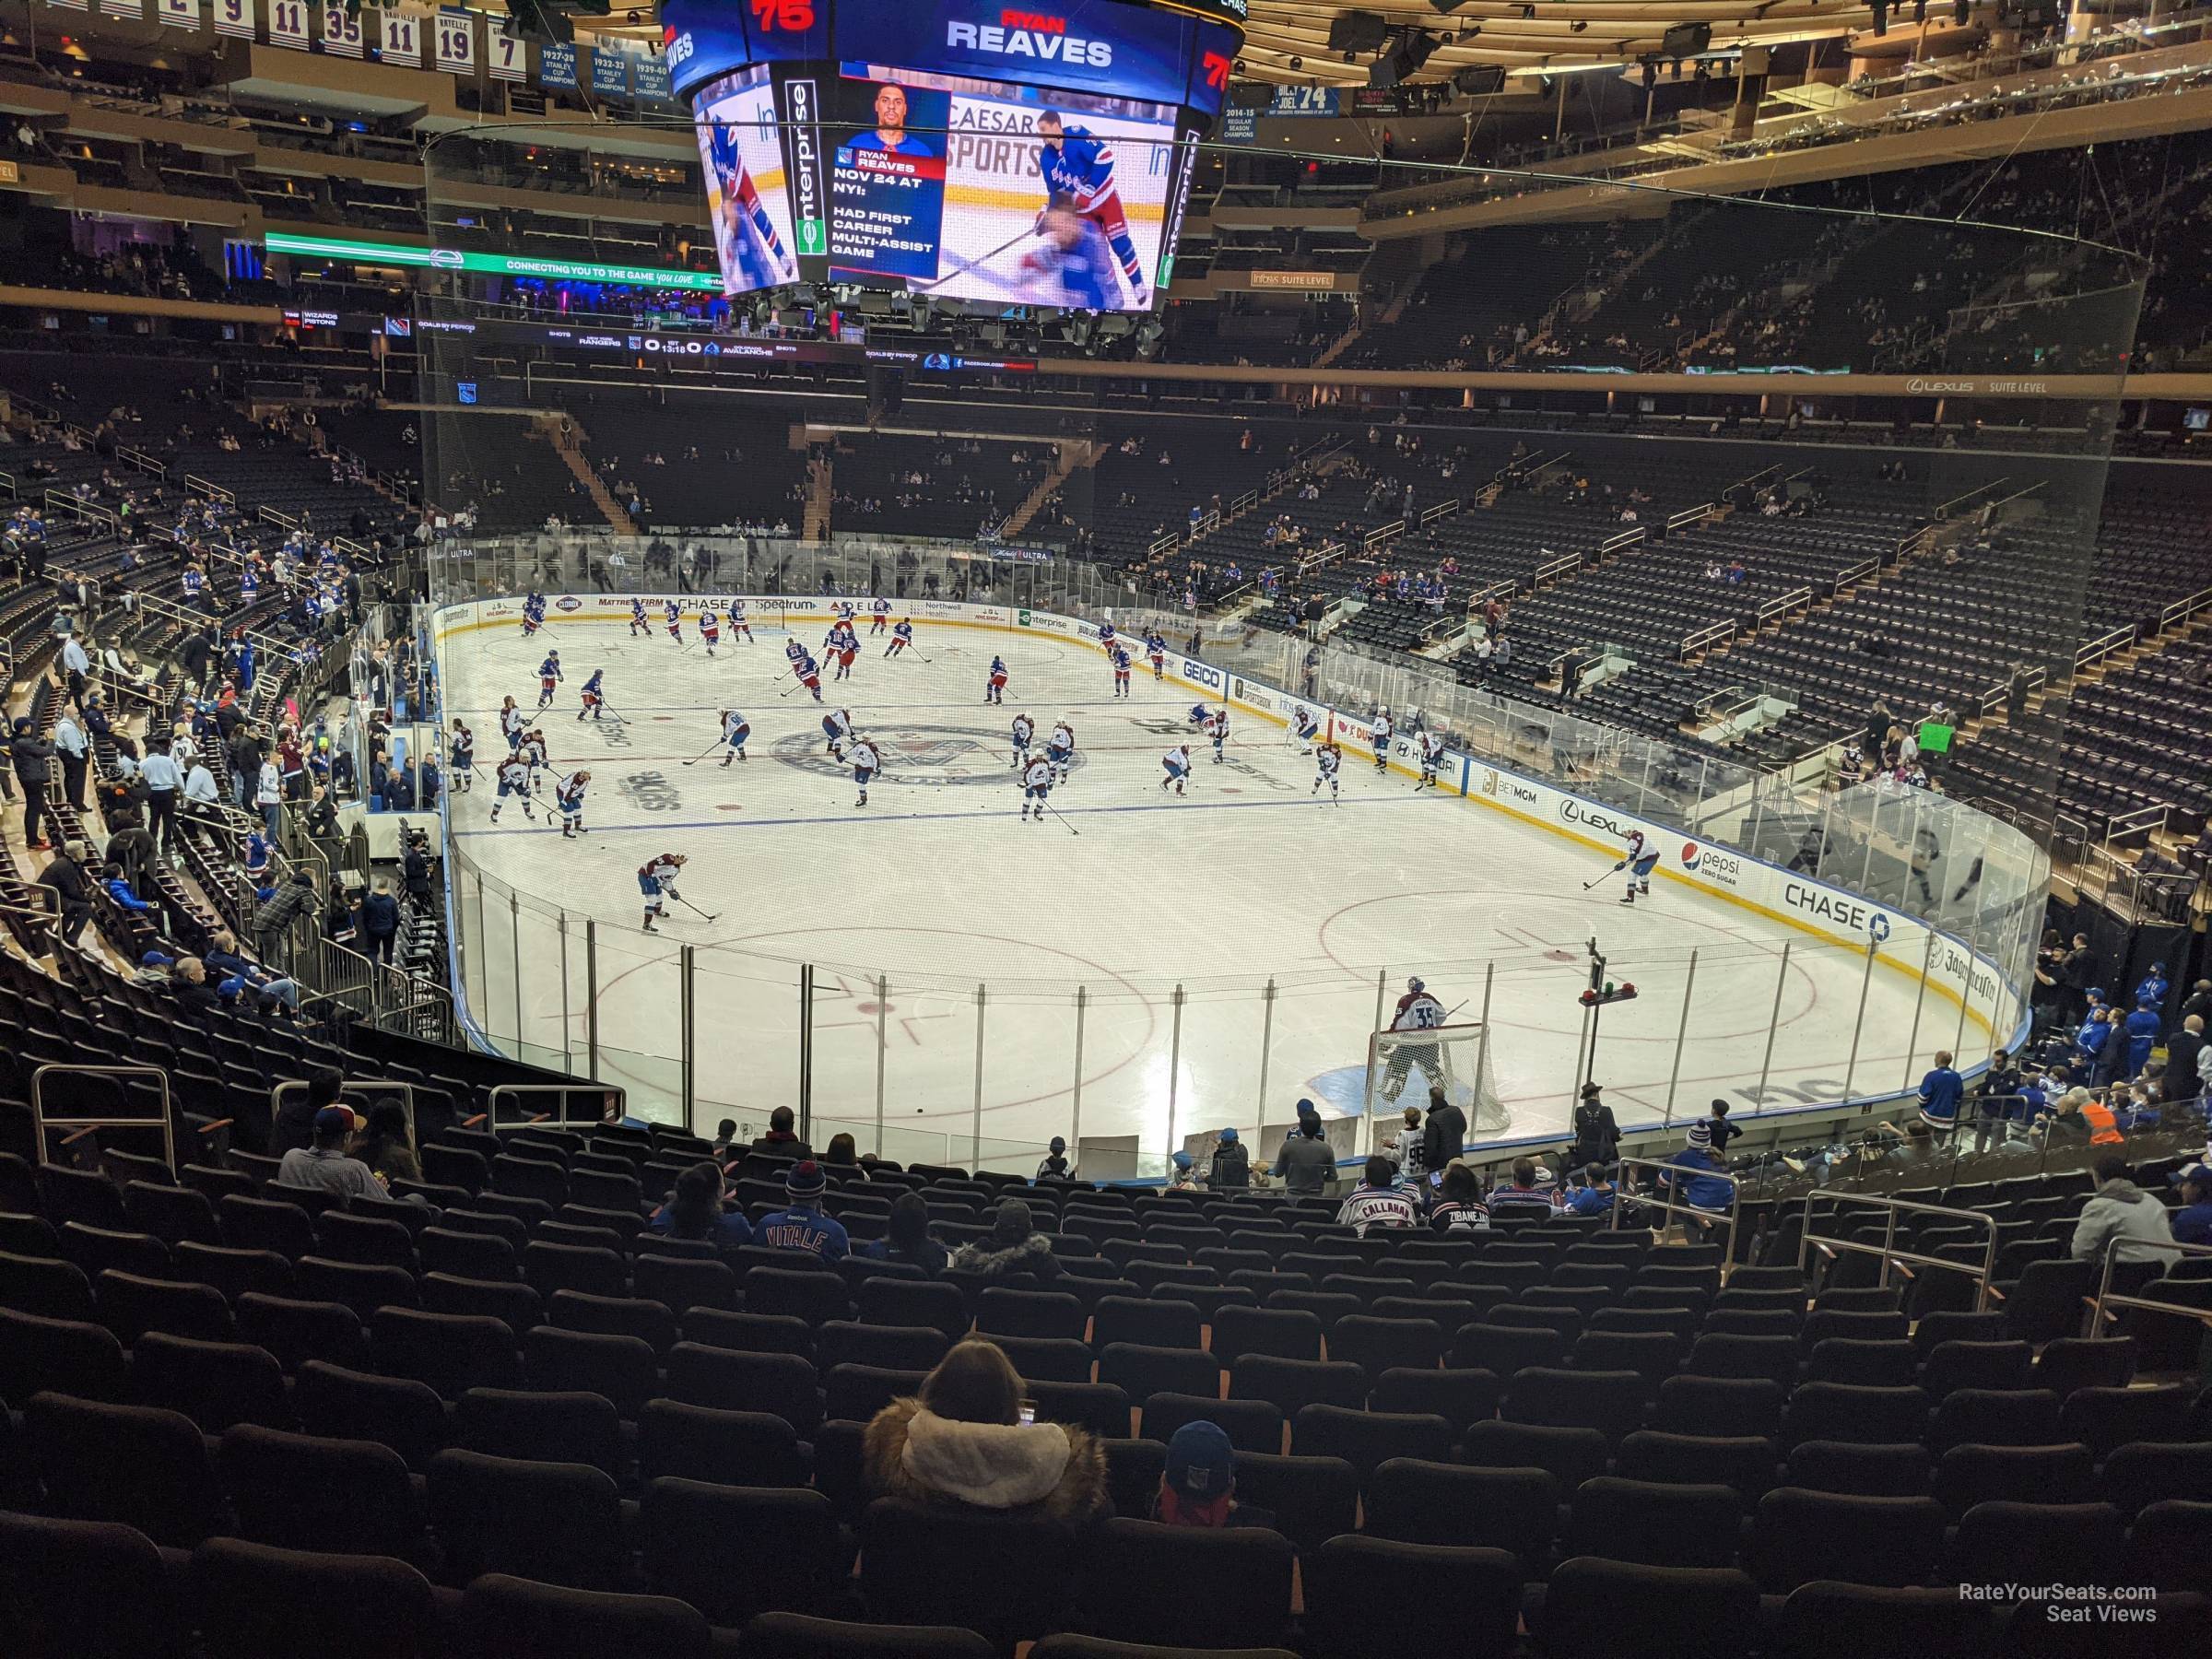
<point x="1014" y="1250"/>
<point x="963" y="1444"/>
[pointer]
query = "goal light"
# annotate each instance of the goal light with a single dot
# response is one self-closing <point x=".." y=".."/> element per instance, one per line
<point x="1624" y="992"/>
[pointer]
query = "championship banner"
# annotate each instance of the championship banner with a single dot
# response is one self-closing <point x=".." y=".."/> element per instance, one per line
<point x="400" y="36"/>
<point x="456" y="40"/>
<point x="235" y="19"/>
<point x="510" y="60"/>
<point x="610" y="73"/>
<point x="341" y="31"/>
<point x="177" y="14"/>
<point x="653" y="79"/>
<point x="557" y="67"/>
<point x="83" y="5"/>
<point x="288" y="24"/>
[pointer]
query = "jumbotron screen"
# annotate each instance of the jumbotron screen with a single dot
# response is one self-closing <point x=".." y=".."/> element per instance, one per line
<point x="1031" y="155"/>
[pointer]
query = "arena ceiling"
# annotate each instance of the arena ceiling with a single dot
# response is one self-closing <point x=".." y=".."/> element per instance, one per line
<point x="1287" y="41"/>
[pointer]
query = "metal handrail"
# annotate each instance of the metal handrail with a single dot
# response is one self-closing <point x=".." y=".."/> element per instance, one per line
<point x="1671" y="1200"/>
<point x="587" y="1086"/>
<point x="375" y="1089"/>
<point x="41" y="1122"/>
<point x="2105" y="1297"/>
<point x="1886" y="1249"/>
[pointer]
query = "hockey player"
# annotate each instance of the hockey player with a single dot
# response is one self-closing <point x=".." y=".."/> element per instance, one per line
<point x="738" y="625"/>
<point x="995" y="690"/>
<point x="1108" y="639"/>
<point x="843" y="610"/>
<point x="751" y="250"/>
<point x="866" y="764"/>
<point x="568" y="796"/>
<point x="1416" y="1011"/>
<point x="1156" y="648"/>
<point x="902" y="637"/>
<point x="594" y="695"/>
<point x="1198" y="717"/>
<point x="1024" y="730"/>
<point x="534" y="613"/>
<point x="513" y="722"/>
<point x="808" y="673"/>
<point x="1641" y="859"/>
<point x="1305" y="728"/>
<point x="1120" y="671"/>
<point x="464" y="755"/>
<point x="656" y="878"/>
<point x="514" y="780"/>
<point x="733" y="733"/>
<point x="794" y="651"/>
<point x="1432" y="757"/>
<point x="848" y="647"/>
<point x="710" y="627"/>
<point x="1176" y="764"/>
<point x="1036" y="784"/>
<point x="837" y="729"/>
<point x="1075" y="164"/>
<point x="676" y="621"/>
<point x="549" y="677"/>
<point x="1326" y="760"/>
<point x="1217" y="728"/>
<point x="1383" y="731"/>
<point x="533" y="751"/>
<point x="1060" y="749"/>
<point x="879" y="617"/>
<point x="639" y="624"/>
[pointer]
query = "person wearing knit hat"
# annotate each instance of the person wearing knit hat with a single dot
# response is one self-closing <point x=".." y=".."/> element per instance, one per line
<point x="1198" y="1487"/>
<point x="1306" y="1162"/>
<point x="1703" y="1187"/>
<point x="1014" y="1250"/>
<point x="801" y="1227"/>
<point x="1230" y="1168"/>
<point x="1055" y="1165"/>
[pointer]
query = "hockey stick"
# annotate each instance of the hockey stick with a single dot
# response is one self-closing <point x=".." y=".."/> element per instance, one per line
<point x="796" y="685"/>
<point x="705" y="752"/>
<point x="1057" y="813"/>
<point x="962" y="266"/>
<point x="1616" y="870"/>
<point x="710" y="916"/>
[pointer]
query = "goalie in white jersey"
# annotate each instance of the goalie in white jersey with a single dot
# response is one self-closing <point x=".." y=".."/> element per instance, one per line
<point x="1327" y="758"/>
<point x="1416" y="1011"/>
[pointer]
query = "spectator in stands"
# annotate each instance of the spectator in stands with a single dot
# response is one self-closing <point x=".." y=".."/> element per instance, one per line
<point x="76" y="667"/>
<point x="2191" y="1223"/>
<point x="1996" y="1100"/>
<point x="386" y="1147"/>
<point x="1198" y="1487"/>
<point x="1459" y="1207"/>
<point x="376" y="917"/>
<point x="132" y="849"/>
<point x="1307" y="1162"/>
<point x="325" y="1164"/>
<point x="2062" y="1123"/>
<point x="1230" y="1171"/>
<point x="1593" y="1195"/>
<point x="269" y="793"/>
<point x="2141" y="1034"/>
<point x="2119" y="1210"/>
<point x="1407" y="1149"/>
<point x="70" y="748"/>
<point x="119" y="890"/>
<point x="271" y="989"/>
<point x="906" y="1238"/>
<point x="294" y="900"/>
<point x="2185" y="1061"/>
<point x="199" y="784"/>
<point x="1941" y="1089"/>
<point x="322" y="817"/>
<point x="1377" y="1201"/>
<point x="65" y="873"/>
<point x="1597" y="1134"/>
<point x="781" y="1140"/>
<point x="189" y="987"/>
<point x="1447" y="1131"/>
<point x="1524" y="1194"/>
<point x="163" y="780"/>
<point x="694" y="1211"/>
<point x="962" y="1442"/>
<point x="1055" y="1165"/>
<point x="800" y="1227"/>
<point x="1014" y="1250"/>
<point x="2077" y="974"/>
<point x="841" y="1153"/>
<point x="33" y="758"/>
<point x="1702" y="1184"/>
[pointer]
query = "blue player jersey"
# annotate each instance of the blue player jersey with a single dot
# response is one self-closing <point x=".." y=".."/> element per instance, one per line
<point x="1081" y="167"/>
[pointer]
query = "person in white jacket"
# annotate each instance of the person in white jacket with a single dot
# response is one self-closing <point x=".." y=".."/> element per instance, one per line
<point x="269" y="793"/>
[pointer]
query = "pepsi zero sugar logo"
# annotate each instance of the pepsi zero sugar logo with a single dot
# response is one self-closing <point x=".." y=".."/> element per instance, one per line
<point x="932" y="755"/>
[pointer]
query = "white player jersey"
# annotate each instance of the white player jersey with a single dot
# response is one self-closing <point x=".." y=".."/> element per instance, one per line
<point x="842" y="719"/>
<point x="1063" y="736"/>
<point x="534" y="750"/>
<point x="1383" y="730"/>
<point x="1024" y="729"/>
<point x="732" y="723"/>
<point x="1418" y="1012"/>
<point x="1216" y="722"/>
<point x="1039" y="775"/>
<point x="515" y="774"/>
<point x="571" y="788"/>
<point x="1176" y="759"/>
<point x="1330" y="760"/>
<point x="663" y="868"/>
<point x="1432" y="745"/>
<point x="1307" y="724"/>
<point x="512" y="721"/>
<point x="864" y="757"/>
<point x="1636" y="845"/>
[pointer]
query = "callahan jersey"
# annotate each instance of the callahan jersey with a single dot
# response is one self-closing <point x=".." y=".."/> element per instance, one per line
<point x="533" y="750"/>
<point x="1305" y="724"/>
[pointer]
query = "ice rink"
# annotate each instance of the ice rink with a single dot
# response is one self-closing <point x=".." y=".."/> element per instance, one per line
<point x="939" y="887"/>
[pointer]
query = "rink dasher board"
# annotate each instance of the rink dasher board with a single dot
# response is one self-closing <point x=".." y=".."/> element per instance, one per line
<point x="1954" y="970"/>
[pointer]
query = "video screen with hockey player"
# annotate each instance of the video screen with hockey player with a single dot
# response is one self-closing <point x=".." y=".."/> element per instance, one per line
<point x="747" y="199"/>
<point x="979" y="190"/>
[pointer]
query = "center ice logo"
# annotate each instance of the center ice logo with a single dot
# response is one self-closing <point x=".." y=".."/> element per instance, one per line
<point x="932" y="756"/>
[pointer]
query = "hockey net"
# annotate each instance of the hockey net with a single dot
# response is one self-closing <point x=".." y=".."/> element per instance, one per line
<point x="1401" y="1065"/>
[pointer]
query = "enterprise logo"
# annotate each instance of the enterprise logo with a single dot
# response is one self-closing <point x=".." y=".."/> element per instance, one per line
<point x="1033" y="35"/>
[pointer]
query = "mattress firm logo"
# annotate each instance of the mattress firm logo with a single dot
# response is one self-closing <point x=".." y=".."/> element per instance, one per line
<point x="1030" y="34"/>
<point x="802" y="110"/>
